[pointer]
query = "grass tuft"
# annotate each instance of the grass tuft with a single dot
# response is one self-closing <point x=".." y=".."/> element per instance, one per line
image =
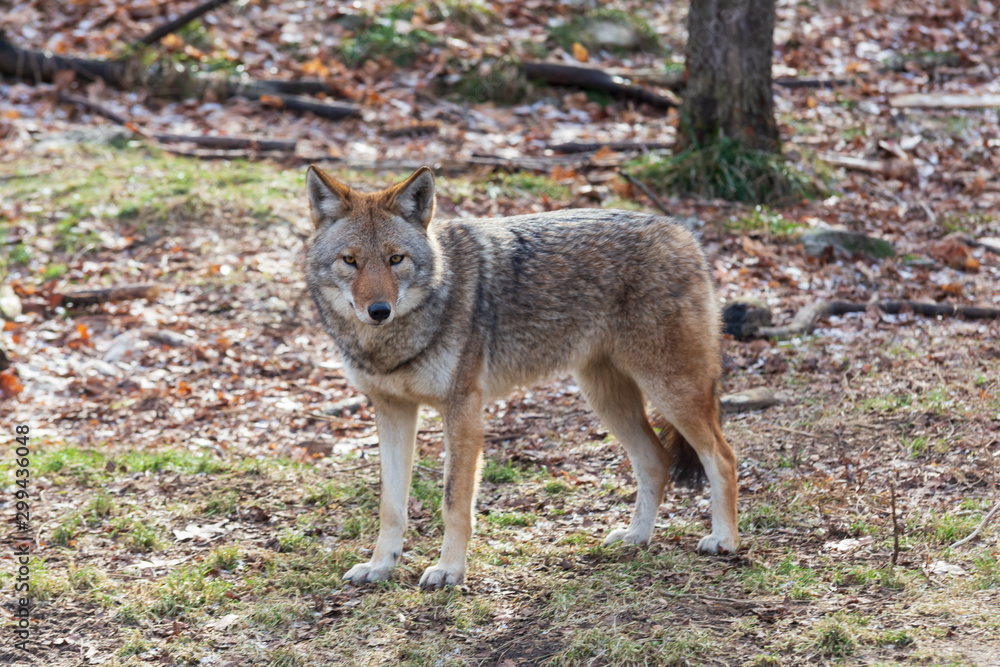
<point x="726" y="169"/>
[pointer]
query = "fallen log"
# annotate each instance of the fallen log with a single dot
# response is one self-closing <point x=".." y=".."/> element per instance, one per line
<point x="36" y="67"/>
<point x="805" y="319"/>
<point x="588" y="78"/>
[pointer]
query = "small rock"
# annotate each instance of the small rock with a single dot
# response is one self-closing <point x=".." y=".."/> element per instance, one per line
<point x="816" y="241"/>
<point x="10" y="303"/>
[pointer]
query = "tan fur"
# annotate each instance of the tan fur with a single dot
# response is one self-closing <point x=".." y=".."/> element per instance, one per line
<point x="622" y="299"/>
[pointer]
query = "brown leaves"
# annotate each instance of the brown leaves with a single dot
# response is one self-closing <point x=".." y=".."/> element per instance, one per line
<point x="955" y="254"/>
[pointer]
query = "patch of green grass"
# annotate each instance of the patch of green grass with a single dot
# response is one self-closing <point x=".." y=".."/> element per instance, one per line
<point x="45" y="584"/>
<point x="86" y="578"/>
<point x="186" y="589"/>
<point x="763" y="220"/>
<point x="525" y="184"/>
<point x="760" y="517"/>
<point x="726" y="169"/>
<point x="315" y="571"/>
<point x="885" y="403"/>
<point x="134" y="645"/>
<point x="886" y="577"/>
<point x="786" y="577"/>
<point x="331" y="493"/>
<point x="285" y="657"/>
<point x="987" y="571"/>
<point x="916" y="445"/>
<point x="292" y="540"/>
<point x="429" y="493"/>
<point x="224" y="558"/>
<point x="947" y="528"/>
<point x="610" y="29"/>
<point x="511" y="519"/>
<point x="835" y="638"/>
<point x="496" y="472"/>
<point x="898" y="638"/>
<point x="613" y="646"/>
<point x="173" y="461"/>
<point x="278" y="613"/>
<point x="222" y="503"/>
<point x="68" y="461"/>
<point x="499" y="80"/>
<point x="555" y="488"/>
<point x="139" y="536"/>
<point x="100" y="507"/>
<point x="53" y="271"/>
<point x="67" y="531"/>
<point x="380" y="38"/>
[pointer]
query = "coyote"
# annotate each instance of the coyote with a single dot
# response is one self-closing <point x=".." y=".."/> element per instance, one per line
<point x="452" y="313"/>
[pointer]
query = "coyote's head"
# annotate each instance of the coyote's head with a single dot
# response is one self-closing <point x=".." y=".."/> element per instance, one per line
<point x="371" y="256"/>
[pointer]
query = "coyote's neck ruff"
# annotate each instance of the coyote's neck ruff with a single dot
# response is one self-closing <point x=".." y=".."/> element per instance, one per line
<point x="451" y="313"/>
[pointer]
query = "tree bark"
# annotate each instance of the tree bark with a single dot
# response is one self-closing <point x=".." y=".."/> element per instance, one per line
<point x="728" y="61"/>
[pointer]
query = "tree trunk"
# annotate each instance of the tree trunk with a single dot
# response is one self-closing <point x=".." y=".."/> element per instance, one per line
<point x="728" y="60"/>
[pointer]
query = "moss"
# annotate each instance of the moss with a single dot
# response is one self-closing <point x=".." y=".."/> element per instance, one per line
<point x="610" y="29"/>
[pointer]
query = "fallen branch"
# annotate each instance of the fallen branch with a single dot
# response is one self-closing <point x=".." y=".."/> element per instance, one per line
<point x="111" y="295"/>
<point x="162" y="31"/>
<point x="645" y="189"/>
<point x="805" y="320"/>
<point x="809" y="82"/>
<point x="945" y="101"/>
<point x="979" y="528"/>
<point x="225" y="143"/>
<point x="893" y="168"/>
<point x="676" y="82"/>
<point x="589" y="78"/>
<point x="618" y="146"/>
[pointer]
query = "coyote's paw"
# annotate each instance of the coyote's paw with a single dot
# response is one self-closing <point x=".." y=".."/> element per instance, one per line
<point x="713" y="544"/>
<point x="439" y="577"/>
<point x="365" y="572"/>
<point x="626" y="535"/>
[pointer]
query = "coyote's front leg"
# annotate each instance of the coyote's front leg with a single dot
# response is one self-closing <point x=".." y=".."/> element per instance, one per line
<point x="463" y="442"/>
<point x="397" y="433"/>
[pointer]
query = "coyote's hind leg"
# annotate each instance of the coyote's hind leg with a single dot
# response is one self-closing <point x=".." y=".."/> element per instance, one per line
<point x="617" y="400"/>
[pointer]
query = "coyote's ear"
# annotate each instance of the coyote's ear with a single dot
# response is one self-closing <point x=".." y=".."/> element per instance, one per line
<point x="413" y="199"/>
<point x="328" y="199"/>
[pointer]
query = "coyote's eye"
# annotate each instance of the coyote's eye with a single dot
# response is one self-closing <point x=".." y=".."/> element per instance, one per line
<point x="350" y="259"/>
<point x="395" y="259"/>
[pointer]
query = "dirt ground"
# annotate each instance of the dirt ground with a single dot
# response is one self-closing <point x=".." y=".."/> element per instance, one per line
<point x="194" y="502"/>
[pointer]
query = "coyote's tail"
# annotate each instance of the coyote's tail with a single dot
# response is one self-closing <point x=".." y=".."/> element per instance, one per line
<point x="685" y="466"/>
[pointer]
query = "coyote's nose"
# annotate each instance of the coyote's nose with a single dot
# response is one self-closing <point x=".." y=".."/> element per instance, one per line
<point x="379" y="311"/>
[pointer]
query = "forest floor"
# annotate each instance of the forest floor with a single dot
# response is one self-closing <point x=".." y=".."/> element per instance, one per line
<point x="194" y="501"/>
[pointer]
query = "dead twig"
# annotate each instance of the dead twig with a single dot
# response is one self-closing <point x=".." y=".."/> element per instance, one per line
<point x="979" y="528"/>
<point x="645" y="190"/>
<point x="162" y="31"/>
<point x="895" y="523"/>
<point x="339" y="420"/>
<point x="112" y="295"/>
